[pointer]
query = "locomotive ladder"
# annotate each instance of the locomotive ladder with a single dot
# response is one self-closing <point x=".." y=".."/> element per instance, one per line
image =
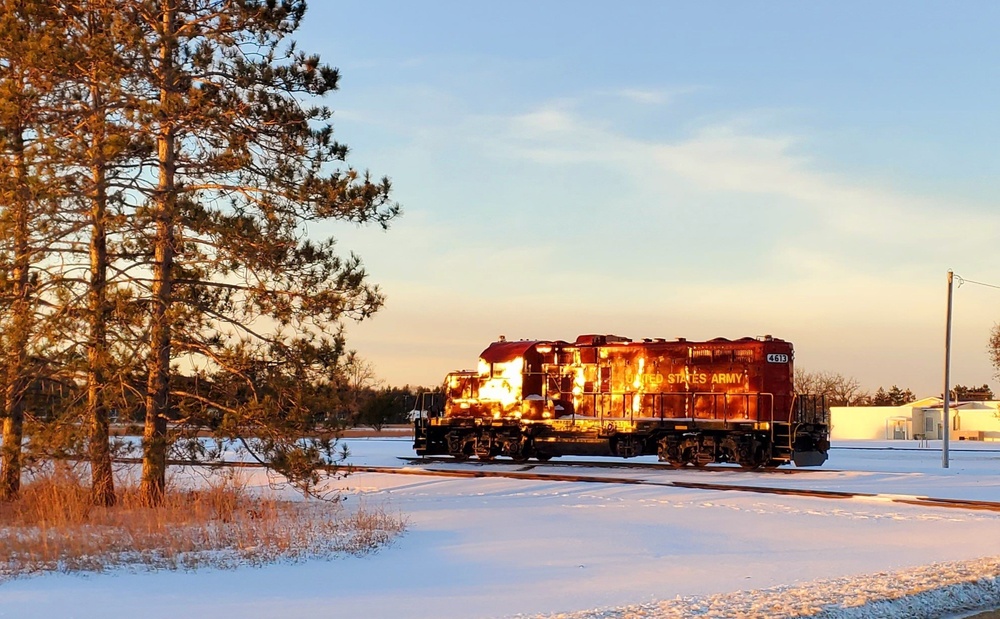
<point x="781" y="438"/>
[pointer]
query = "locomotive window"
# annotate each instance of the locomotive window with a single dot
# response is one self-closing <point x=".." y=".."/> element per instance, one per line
<point x="557" y="358"/>
<point x="701" y="356"/>
<point x="556" y="384"/>
<point x="462" y="388"/>
<point x="744" y="355"/>
<point x="722" y="355"/>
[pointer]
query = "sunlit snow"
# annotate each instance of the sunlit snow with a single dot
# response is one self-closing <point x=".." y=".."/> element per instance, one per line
<point x="495" y="547"/>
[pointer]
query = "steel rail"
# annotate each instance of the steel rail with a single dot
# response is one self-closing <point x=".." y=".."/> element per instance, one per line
<point x="619" y="463"/>
<point x="922" y="501"/>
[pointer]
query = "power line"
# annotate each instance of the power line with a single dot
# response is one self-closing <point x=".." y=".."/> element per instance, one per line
<point x="962" y="280"/>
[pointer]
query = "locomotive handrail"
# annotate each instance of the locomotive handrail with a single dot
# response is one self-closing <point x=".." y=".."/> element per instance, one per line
<point x="620" y="405"/>
<point x="810" y="408"/>
<point x="767" y="408"/>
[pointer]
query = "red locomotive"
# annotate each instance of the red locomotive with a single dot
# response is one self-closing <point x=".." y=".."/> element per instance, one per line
<point x="687" y="402"/>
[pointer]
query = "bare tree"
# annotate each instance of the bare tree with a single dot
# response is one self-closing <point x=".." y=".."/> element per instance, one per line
<point x="839" y="390"/>
<point x="358" y="378"/>
<point x="994" y="349"/>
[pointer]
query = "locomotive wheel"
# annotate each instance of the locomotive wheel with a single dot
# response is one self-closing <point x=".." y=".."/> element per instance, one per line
<point x="755" y="456"/>
<point x="484" y="451"/>
<point x="683" y="459"/>
<point x="459" y="447"/>
<point x="693" y="456"/>
<point x="519" y="450"/>
<point x="665" y="456"/>
<point x="666" y="452"/>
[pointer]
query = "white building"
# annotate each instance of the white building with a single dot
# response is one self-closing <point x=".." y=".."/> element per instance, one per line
<point x="974" y="421"/>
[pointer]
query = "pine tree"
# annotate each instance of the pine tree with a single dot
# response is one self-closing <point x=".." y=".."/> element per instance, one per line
<point x="962" y="393"/>
<point x="242" y="164"/>
<point x="899" y="397"/>
<point x="29" y="62"/>
<point x="100" y="144"/>
<point x="198" y="113"/>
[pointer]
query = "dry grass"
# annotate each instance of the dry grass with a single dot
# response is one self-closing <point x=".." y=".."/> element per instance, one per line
<point x="53" y="527"/>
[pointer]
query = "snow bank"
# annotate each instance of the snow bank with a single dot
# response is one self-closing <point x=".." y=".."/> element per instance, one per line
<point x="927" y="592"/>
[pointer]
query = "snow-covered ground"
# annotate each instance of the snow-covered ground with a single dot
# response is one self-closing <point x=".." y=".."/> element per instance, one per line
<point x="494" y="547"/>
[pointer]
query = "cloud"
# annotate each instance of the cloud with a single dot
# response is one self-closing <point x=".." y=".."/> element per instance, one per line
<point x="554" y="221"/>
<point x="646" y="97"/>
<point x="722" y="160"/>
<point x="653" y="96"/>
<point x="545" y="121"/>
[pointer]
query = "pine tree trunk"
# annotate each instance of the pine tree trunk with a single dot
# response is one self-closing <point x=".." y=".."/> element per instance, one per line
<point x="154" y="457"/>
<point x="102" y="477"/>
<point x="13" y="423"/>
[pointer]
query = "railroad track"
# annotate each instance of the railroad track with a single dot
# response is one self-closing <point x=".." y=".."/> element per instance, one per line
<point x="920" y="449"/>
<point x="619" y="464"/>
<point x="528" y="475"/>
<point x="992" y="506"/>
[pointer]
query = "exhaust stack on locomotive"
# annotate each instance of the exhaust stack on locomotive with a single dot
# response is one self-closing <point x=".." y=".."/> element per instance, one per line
<point x="687" y="402"/>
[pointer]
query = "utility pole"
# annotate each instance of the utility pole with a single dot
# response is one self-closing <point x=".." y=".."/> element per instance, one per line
<point x="947" y="377"/>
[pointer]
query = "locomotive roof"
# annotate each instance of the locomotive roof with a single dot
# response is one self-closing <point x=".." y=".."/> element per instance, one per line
<point x="504" y="351"/>
<point x="500" y="352"/>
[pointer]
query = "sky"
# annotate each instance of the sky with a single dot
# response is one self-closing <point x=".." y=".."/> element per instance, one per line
<point x="704" y="169"/>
